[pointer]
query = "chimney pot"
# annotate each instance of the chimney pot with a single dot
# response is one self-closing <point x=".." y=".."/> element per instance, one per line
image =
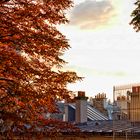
<point x="81" y="94"/>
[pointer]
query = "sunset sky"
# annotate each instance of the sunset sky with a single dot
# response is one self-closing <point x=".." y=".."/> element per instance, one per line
<point x="104" y="47"/>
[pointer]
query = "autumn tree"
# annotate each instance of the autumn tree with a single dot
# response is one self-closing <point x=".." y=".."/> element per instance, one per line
<point x="136" y="17"/>
<point x="31" y="49"/>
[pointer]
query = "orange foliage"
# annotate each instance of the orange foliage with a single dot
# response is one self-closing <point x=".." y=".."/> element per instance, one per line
<point x="30" y="47"/>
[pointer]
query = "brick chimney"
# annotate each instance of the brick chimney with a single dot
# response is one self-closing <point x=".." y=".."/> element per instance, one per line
<point x="100" y="102"/>
<point x="81" y="107"/>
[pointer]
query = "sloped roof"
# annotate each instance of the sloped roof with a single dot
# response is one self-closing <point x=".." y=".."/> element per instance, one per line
<point x="109" y="126"/>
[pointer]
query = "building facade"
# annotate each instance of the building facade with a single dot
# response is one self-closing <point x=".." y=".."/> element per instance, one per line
<point x="127" y="99"/>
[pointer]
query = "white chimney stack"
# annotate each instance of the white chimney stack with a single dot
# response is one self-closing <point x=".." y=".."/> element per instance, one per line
<point x="81" y="107"/>
<point x="65" y="115"/>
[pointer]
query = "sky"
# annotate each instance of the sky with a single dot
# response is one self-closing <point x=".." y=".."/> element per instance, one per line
<point x="104" y="47"/>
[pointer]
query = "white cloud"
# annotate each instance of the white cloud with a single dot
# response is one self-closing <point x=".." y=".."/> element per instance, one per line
<point x="91" y="14"/>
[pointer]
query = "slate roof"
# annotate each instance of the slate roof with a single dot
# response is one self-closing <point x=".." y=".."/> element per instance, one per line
<point x="92" y="113"/>
<point x="109" y="126"/>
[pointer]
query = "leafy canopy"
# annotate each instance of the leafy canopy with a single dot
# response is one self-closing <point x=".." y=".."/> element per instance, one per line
<point x="31" y="49"/>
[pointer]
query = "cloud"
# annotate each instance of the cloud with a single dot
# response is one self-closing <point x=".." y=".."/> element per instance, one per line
<point x="85" y="71"/>
<point x="92" y="14"/>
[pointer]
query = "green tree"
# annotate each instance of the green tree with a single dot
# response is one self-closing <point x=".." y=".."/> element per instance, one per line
<point x="31" y="49"/>
<point x="136" y="17"/>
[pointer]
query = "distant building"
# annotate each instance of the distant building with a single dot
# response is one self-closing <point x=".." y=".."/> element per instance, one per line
<point x="82" y="111"/>
<point x="134" y="104"/>
<point x="99" y="116"/>
<point x="127" y="100"/>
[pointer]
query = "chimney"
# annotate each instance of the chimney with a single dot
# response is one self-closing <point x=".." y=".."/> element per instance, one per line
<point x="65" y="115"/>
<point x="81" y="107"/>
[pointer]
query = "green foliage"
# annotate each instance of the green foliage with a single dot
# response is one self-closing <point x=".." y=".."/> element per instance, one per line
<point x="136" y="17"/>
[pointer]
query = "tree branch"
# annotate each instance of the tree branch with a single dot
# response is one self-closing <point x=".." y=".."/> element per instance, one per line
<point x="3" y="1"/>
<point x="6" y="79"/>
